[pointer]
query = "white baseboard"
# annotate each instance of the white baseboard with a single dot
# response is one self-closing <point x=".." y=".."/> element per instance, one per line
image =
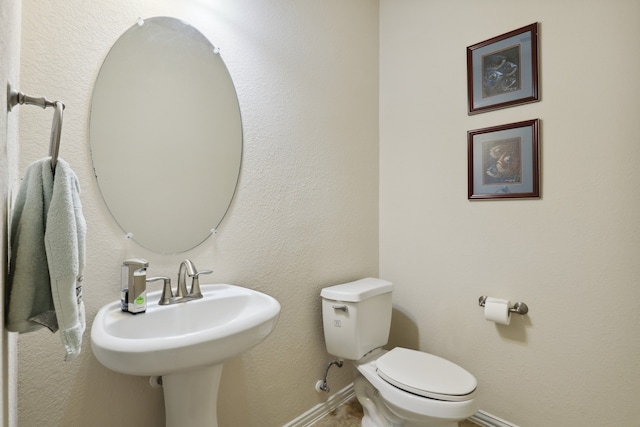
<point x="321" y="409"/>
<point x="307" y="419"/>
<point x="487" y="420"/>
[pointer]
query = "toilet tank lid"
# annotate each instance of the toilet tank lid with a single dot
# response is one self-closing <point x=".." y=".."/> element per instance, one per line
<point x="358" y="290"/>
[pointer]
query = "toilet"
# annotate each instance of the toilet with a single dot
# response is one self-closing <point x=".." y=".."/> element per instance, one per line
<point x="399" y="387"/>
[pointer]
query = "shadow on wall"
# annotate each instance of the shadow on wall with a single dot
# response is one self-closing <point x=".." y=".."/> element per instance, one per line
<point x="516" y="331"/>
<point x="404" y="330"/>
<point x="235" y="391"/>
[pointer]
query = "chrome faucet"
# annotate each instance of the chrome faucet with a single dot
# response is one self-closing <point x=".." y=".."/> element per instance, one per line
<point x="187" y="268"/>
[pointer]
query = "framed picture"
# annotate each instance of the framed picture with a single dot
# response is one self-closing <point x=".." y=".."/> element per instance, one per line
<point x="503" y="71"/>
<point x="503" y="161"/>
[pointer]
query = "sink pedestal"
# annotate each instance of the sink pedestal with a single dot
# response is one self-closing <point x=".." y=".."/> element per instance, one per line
<point x="191" y="397"/>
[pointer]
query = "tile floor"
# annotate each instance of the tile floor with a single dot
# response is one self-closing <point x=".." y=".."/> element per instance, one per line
<point x="350" y="414"/>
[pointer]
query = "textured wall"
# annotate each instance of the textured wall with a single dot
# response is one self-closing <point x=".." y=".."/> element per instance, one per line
<point x="572" y="256"/>
<point x="305" y="214"/>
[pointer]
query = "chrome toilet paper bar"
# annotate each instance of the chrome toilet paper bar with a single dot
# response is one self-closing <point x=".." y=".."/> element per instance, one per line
<point x="519" y="307"/>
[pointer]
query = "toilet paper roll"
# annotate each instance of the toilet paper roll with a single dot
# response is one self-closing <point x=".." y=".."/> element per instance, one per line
<point x="497" y="310"/>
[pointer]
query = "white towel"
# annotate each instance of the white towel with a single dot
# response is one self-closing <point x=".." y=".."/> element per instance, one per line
<point x="48" y="255"/>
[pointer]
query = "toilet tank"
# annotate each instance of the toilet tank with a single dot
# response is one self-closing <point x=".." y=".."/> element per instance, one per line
<point x="356" y="317"/>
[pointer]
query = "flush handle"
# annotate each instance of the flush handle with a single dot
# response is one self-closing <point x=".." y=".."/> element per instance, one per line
<point x="339" y="307"/>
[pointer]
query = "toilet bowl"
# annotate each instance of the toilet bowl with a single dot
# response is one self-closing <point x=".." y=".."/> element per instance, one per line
<point x="400" y="387"/>
<point x="401" y="398"/>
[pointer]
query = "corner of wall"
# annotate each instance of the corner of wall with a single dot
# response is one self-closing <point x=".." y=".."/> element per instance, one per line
<point x="10" y="19"/>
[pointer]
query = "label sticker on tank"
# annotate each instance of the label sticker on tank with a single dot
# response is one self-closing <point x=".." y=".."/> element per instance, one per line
<point x="337" y="323"/>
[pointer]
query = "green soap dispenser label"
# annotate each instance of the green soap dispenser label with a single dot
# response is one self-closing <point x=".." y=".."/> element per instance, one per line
<point x="140" y="300"/>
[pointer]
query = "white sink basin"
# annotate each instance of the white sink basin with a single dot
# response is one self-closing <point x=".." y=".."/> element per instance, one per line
<point x="226" y="322"/>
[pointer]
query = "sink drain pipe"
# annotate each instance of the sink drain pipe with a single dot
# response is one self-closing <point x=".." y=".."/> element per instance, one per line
<point x="322" y="385"/>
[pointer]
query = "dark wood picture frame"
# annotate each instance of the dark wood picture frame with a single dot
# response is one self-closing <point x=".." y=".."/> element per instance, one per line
<point x="503" y="161"/>
<point x="503" y="71"/>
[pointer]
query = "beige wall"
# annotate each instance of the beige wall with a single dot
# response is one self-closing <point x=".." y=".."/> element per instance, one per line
<point x="305" y="214"/>
<point x="572" y="255"/>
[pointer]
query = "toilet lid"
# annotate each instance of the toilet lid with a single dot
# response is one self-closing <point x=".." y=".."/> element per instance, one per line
<point x="426" y="375"/>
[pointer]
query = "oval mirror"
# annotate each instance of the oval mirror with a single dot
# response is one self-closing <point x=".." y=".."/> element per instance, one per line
<point x="165" y="135"/>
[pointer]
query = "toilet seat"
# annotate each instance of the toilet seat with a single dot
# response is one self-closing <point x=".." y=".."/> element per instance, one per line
<point x="426" y="375"/>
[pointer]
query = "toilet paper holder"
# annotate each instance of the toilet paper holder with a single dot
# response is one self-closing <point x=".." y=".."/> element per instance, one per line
<point x="519" y="307"/>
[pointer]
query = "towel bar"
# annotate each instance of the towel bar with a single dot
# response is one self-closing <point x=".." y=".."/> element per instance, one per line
<point x="14" y="98"/>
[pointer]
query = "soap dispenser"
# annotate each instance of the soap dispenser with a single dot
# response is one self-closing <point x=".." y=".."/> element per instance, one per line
<point x="133" y="290"/>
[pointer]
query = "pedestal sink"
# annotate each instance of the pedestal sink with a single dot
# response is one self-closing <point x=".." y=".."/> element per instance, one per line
<point x="185" y="343"/>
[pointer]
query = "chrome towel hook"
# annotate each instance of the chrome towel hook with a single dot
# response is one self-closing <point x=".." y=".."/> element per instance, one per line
<point x="14" y="98"/>
<point x="519" y="307"/>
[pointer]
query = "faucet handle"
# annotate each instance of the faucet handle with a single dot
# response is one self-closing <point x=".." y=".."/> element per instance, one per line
<point x="195" y="284"/>
<point x="167" y="294"/>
